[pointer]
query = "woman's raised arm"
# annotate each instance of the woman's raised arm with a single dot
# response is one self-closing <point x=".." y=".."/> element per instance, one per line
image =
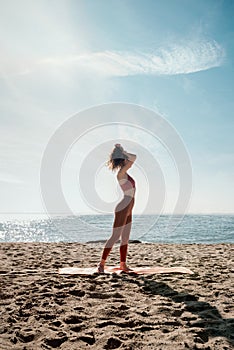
<point x="129" y="162"/>
<point x="131" y="157"/>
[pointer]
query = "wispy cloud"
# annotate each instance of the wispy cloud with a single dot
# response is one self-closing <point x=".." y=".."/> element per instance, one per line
<point x="183" y="58"/>
<point x="177" y="59"/>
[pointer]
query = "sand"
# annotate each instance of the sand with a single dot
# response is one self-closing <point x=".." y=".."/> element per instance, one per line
<point x="41" y="309"/>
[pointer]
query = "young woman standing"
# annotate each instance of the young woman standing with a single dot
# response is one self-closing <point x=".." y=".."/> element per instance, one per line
<point x="121" y="160"/>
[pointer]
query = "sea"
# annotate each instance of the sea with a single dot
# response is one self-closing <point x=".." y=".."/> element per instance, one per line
<point x="190" y="228"/>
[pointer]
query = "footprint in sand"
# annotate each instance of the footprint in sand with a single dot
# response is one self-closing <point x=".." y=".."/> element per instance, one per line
<point x="56" y="323"/>
<point x="56" y="341"/>
<point x="77" y="329"/>
<point x="201" y="337"/>
<point x="113" y="343"/>
<point x="25" y="336"/>
<point x="88" y="338"/>
<point x="77" y="292"/>
<point x="74" y="319"/>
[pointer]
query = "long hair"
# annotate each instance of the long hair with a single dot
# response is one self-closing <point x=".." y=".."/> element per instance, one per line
<point x="116" y="158"/>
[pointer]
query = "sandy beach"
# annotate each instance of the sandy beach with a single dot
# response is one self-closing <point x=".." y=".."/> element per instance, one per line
<point x="41" y="309"/>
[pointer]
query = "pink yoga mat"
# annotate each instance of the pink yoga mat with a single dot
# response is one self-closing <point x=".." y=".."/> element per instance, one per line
<point x="116" y="269"/>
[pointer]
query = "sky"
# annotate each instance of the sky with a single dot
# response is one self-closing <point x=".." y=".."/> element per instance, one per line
<point x="173" y="57"/>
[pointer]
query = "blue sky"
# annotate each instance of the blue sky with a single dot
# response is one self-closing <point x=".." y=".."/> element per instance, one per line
<point x="59" y="57"/>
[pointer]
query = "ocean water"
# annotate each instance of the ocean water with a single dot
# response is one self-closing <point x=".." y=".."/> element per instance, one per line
<point x="146" y="228"/>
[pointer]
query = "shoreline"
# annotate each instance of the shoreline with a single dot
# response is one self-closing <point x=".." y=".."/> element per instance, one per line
<point x="41" y="309"/>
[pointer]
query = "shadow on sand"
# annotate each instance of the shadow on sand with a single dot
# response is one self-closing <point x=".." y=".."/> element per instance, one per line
<point x="210" y="320"/>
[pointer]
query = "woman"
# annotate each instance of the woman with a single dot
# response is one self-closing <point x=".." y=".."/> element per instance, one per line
<point x="121" y="160"/>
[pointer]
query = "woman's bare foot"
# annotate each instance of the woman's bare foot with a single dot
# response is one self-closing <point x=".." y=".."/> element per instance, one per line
<point x="124" y="267"/>
<point x="101" y="268"/>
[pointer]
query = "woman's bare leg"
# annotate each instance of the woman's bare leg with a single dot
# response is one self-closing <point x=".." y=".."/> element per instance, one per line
<point x="125" y="238"/>
<point x="124" y="242"/>
<point x="118" y="226"/>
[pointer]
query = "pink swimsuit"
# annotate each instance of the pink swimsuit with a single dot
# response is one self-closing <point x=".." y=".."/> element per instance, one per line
<point x="129" y="184"/>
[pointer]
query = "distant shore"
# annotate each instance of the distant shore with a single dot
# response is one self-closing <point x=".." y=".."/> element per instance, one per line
<point x="104" y="240"/>
<point x="41" y="309"/>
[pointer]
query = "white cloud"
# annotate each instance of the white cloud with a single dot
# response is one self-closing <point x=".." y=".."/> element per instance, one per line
<point x="177" y="59"/>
